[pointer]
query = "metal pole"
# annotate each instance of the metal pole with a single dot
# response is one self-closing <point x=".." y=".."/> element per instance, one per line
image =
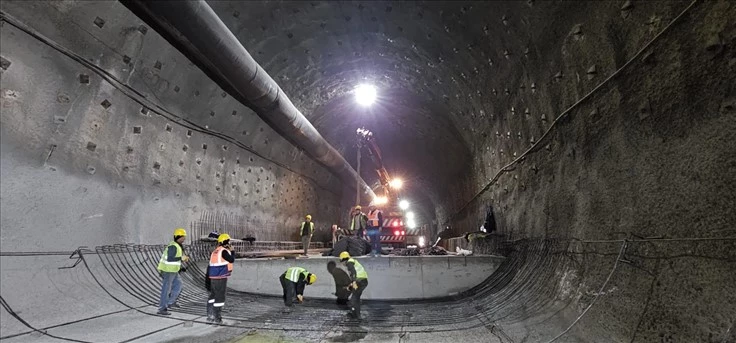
<point x="357" y="187"/>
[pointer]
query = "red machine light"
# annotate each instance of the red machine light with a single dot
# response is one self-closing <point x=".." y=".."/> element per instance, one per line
<point x="396" y="223"/>
<point x="403" y="233"/>
<point x="397" y="232"/>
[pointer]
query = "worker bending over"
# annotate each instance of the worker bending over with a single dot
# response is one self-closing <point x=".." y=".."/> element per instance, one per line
<point x="219" y="269"/>
<point x="359" y="279"/>
<point x="293" y="282"/>
<point x="169" y="267"/>
<point x="307" y="231"/>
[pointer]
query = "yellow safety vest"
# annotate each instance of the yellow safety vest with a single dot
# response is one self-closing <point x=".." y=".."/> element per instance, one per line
<point x="170" y="267"/>
<point x="292" y="274"/>
<point x="360" y="272"/>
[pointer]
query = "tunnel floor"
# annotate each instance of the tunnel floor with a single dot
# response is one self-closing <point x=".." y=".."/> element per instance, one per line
<point x="126" y="275"/>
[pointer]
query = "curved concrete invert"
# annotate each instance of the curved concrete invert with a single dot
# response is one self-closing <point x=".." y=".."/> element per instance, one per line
<point x="599" y="133"/>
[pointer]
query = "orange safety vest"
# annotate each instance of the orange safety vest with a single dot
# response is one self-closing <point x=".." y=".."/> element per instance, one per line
<point x="219" y="268"/>
<point x="373" y="218"/>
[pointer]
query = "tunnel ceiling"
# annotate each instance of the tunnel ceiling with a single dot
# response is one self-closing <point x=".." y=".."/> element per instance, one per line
<point x="431" y="62"/>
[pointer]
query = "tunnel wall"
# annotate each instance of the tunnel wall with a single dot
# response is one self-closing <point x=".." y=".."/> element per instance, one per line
<point x="649" y="154"/>
<point x="87" y="161"/>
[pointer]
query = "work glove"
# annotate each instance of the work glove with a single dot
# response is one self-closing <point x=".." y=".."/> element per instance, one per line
<point x="185" y="258"/>
<point x="353" y="286"/>
<point x="300" y="298"/>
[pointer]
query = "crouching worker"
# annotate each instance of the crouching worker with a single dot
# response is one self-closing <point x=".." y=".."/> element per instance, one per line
<point x="219" y="269"/>
<point x="359" y="279"/>
<point x="293" y="282"/>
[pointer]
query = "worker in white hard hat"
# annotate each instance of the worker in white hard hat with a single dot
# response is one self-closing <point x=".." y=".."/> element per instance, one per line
<point x="306" y="231"/>
<point x="169" y="267"/>
<point x="375" y="225"/>
<point x="359" y="278"/>
<point x="219" y="269"/>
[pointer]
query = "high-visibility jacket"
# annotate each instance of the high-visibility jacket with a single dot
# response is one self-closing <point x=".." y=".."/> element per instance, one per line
<point x="292" y="274"/>
<point x="360" y="273"/>
<point x="311" y="228"/>
<point x="373" y="219"/>
<point x="167" y="266"/>
<point x="219" y="267"/>
<point x="358" y="224"/>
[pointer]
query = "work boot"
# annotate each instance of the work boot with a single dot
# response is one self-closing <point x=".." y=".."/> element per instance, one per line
<point x="218" y="315"/>
<point x="210" y="312"/>
<point x="174" y="305"/>
<point x="163" y="312"/>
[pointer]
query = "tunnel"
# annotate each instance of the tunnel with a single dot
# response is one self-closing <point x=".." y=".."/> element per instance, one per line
<point x="601" y="135"/>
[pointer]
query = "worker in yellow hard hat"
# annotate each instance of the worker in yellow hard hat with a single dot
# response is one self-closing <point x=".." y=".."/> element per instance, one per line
<point x="169" y="267"/>
<point x="293" y="282"/>
<point x="359" y="278"/>
<point x="219" y="269"/>
<point x="358" y="222"/>
<point x="306" y="231"/>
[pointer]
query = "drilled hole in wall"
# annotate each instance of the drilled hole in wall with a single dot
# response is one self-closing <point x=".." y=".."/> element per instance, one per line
<point x="126" y="59"/>
<point x="212" y="113"/>
<point x="126" y="168"/>
<point x="91" y="146"/>
<point x="157" y="65"/>
<point x="144" y="110"/>
<point x="199" y="162"/>
<point x="217" y="175"/>
<point x="224" y="147"/>
<point x="156" y="165"/>
<point x="181" y="163"/>
<point x="196" y="93"/>
<point x="129" y="150"/>
<point x="244" y="133"/>
<point x="204" y="146"/>
<point x="99" y="22"/>
<point x="177" y="89"/>
<point x="137" y="130"/>
<point x="251" y="159"/>
<point x="168" y="128"/>
<point x="235" y="112"/>
<point x="222" y="161"/>
<point x="237" y="161"/>
<point x="189" y="133"/>
<point x="83" y="78"/>
<point x="261" y="129"/>
<point x="106" y="104"/>
<point x="185" y="148"/>
<point x="4" y="63"/>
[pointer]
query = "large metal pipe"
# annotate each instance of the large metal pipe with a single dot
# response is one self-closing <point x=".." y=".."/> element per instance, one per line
<point x="195" y="30"/>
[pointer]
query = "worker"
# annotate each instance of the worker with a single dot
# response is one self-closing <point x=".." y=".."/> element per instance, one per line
<point x="293" y="282"/>
<point x="219" y="269"/>
<point x="307" y="230"/>
<point x="334" y="234"/>
<point x="359" y="281"/>
<point x="359" y="222"/>
<point x="169" y="267"/>
<point x="375" y="225"/>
